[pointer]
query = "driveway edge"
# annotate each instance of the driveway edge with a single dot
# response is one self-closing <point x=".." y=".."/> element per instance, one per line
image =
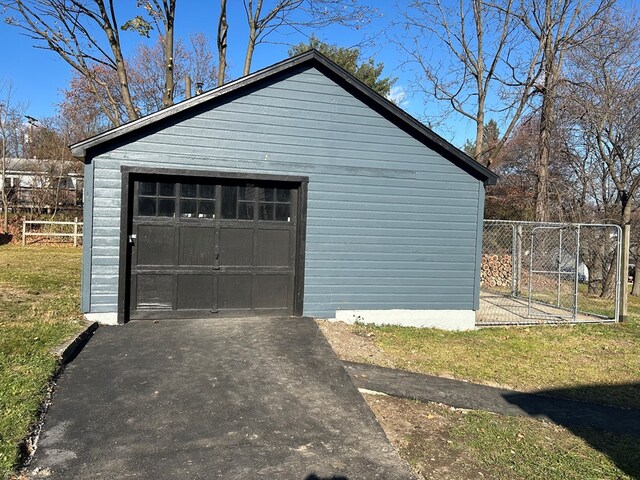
<point x="65" y="353"/>
<point x="70" y="349"/>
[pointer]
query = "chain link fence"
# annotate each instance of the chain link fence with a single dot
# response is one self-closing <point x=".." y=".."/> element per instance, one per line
<point x="534" y="273"/>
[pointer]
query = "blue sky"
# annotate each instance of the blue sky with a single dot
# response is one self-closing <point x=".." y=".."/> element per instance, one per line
<point x="38" y="75"/>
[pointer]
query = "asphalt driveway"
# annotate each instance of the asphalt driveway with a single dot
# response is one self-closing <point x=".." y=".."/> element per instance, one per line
<point x="201" y="399"/>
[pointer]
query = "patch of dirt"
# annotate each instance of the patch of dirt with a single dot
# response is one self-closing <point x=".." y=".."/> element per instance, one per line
<point x="354" y="345"/>
<point x="12" y="294"/>
<point x="420" y="434"/>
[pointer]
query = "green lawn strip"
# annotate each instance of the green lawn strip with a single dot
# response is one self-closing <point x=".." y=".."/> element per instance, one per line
<point x="590" y="362"/>
<point x="522" y="448"/>
<point x="443" y="442"/>
<point x="39" y="310"/>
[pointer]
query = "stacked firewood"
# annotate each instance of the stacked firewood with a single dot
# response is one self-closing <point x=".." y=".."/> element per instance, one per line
<point x="495" y="271"/>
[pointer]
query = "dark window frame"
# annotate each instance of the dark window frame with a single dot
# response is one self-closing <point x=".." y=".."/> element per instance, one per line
<point x="258" y="202"/>
<point x="177" y="199"/>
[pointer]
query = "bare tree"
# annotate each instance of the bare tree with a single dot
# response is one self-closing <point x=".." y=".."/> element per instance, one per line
<point x="223" y="28"/>
<point x="68" y="28"/>
<point x="84" y="108"/>
<point x="604" y="98"/>
<point x="147" y="75"/>
<point x="555" y="26"/>
<point x="46" y="151"/>
<point x="162" y="15"/>
<point x="11" y="114"/>
<point x="480" y="40"/>
<point x="86" y="35"/>
<point x="199" y="62"/>
<point x="264" y="18"/>
<point x="146" y="70"/>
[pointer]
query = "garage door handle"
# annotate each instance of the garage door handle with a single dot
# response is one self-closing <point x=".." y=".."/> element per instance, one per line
<point x="132" y="239"/>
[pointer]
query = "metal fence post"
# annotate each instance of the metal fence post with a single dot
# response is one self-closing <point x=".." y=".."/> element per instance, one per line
<point x="75" y="232"/>
<point x="24" y="232"/>
<point x="624" y="294"/>
<point x="519" y="261"/>
<point x="514" y="254"/>
<point x="559" y="269"/>
<point x="533" y="236"/>
<point x="576" y="277"/>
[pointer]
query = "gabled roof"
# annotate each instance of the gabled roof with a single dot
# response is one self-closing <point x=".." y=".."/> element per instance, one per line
<point x="308" y="59"/>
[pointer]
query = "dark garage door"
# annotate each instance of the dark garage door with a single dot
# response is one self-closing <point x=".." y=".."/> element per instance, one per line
<point x="208" y="247"/>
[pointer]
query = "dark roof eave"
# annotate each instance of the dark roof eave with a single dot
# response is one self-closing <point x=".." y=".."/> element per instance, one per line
<point x="79" y="150"/>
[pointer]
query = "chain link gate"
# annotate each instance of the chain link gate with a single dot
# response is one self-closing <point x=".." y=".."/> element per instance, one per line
<point x="534" y="273"/>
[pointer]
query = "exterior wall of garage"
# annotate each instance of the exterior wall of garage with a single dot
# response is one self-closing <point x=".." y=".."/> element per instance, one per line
<point x="391" y="224"/>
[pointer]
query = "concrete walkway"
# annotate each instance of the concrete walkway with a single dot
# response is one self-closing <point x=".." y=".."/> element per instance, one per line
<point x="456" y="393"/>
<point x="203" y="399"/>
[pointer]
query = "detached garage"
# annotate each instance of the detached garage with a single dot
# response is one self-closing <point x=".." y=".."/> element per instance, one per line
<point x="293" y="191"/>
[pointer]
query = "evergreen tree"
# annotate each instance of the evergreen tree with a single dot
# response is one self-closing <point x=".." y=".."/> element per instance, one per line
<point x="367" y="71"/>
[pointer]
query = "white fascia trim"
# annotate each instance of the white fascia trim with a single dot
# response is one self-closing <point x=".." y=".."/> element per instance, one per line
<point x="442" y="319"/>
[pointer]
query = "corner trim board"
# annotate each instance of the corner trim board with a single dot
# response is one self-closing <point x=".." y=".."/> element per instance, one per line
<point x="87" y="239"/>
<point x="479" y="235"/>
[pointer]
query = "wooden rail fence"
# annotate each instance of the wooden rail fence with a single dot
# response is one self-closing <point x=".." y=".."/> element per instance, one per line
<point x="75" y="224"/>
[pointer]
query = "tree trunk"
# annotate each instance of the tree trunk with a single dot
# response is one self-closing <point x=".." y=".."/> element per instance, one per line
<point x="5" y="202"/>
<point x="250" y="48"/>
<point x="594" y="264"/>
<point x="56" y="196"/>
<point x="608" y="284"/>
<point x="635" y="291"/>
<point x="542" y="175"/>
<point x="223" y="27"/>
<point x="3" y="177"/>
<point x="608" y="278"/>
<point x="167" y="97"/>
<point x="121" y="69"/>
<point x="546" y="122"/>
<point x="5" y="213"/>
<point x="479" y="133"/>
<point x="477" y="10"/>
<point x="169" y="81"/>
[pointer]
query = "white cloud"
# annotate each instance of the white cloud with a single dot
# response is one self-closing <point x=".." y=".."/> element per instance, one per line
<point x="398" y="95"/>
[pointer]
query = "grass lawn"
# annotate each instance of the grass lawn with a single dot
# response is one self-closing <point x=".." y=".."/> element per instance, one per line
<point x="590" y="362"/>
<point x="444" y="443"/>
<point x="39" y="309"/>
<point x="39" y="297"/>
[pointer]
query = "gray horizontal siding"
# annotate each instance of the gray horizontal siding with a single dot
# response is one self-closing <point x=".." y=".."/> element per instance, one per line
<point x="391" y="224"/>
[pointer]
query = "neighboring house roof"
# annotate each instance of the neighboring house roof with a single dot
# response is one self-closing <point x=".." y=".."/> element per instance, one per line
<point x="308" y="59"/>
<point x="32" y="166"/>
